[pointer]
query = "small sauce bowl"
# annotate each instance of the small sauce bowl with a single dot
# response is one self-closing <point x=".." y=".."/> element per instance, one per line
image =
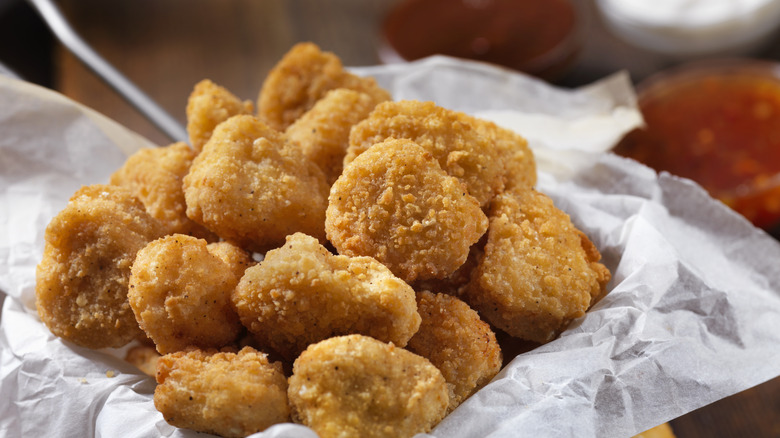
<point x="717" y="123"/>
<point x="538" y="37"/>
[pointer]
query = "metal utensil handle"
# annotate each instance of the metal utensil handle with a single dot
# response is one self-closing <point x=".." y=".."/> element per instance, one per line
<point x="70" y="39"/>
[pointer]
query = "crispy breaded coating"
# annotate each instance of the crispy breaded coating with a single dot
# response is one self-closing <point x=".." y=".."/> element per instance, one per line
<point x="154" y="175"/>
<point x="223" y="393"/>
<point x="82" y="280"/>
<point x="236" y="258"/>
<point x="301" y="294"/>
<point x="356" y="386"/>
<point x="482" y="155"/>
<point x="253" y="188"/>
<point x="301" y="78"/>
<point x="145" y="358"/>
<point x="209" y="105"/>
<point x="457" y="342"/>
<point x="395" y="203"/>
<point x="180" y="295"/>
<point x="602" y="273"/>
<point x="323" y="131"/>
<point x="535" y="276"/>
<point x="456" y="283"/>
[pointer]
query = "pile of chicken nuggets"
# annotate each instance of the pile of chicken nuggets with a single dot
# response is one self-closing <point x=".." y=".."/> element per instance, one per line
<point x="396" y="238"/>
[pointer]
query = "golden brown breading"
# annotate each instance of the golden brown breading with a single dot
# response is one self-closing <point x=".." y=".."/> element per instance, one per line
<point x="209" y="105"/>
<point x="236" y="258"/>
<point x="456" y="283"/>
<point x="253" y="188"/>
<point x="224" y="393"/>
<point x="301" y="294"/>
<point x="180" y="295"/>
<point x="602" y="273"/>
<point x="145" y="357"/>
<point x="356" y="386"/>
<point x="482" y="155"/>
<point x="82" y="280"/>
<point x="323" y="131"/>
<point x="395" y="203"/>
<point x="535" y="276"/>
<point x="301" y="78"/>
<point x="154" y="175"/>
<point x="457" y="342"/>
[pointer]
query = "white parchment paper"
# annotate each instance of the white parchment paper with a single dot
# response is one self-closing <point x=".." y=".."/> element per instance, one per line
<point x="692" y="316"/>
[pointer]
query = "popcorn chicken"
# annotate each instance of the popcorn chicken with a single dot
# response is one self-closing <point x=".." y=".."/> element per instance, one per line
<point x="395" y="203"/>
<point x="145" y="358"/>
<point x="251" y="187"/>
<point x="535" y="275"/>
<point x="224" y="393"/>
<point x="356" y="386"/>
<point x="323" y="131"/>
<point x="236" y="258"/>
<point x="457" y="342"/>
<point x="180" y="295"/>
<point x="301" y="294"/>
<point x="485" y="157"/>
<point x="209" y="105"/>
<point x="154" y="175"/>
<point x="301" y="78"/>
<point x="82" y="280"/>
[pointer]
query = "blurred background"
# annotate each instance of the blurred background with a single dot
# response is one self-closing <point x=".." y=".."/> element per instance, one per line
<point x="166" y="47"/>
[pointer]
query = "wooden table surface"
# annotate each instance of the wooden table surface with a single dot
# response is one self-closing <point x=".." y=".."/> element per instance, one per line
<point x="165" y="47"/>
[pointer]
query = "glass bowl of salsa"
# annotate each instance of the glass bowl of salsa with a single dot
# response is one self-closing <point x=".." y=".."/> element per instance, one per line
<point x="717" y="123"/>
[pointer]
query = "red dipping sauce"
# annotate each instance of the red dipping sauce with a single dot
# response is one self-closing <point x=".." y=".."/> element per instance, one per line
<point x="718" y="125"/>
<point x="533" y="36"/>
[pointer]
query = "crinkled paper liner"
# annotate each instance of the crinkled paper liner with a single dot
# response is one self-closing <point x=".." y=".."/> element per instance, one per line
<point x="692" y="316"/>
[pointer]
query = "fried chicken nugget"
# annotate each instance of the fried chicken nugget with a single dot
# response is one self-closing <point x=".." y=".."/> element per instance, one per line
<point x="301" y="294"/>
<point x="535" y="275"/>
<point x="145" y="358"/>
<point x="395" y="203"/>
<point x="253" y="188"/>
<point x="484" y="156"/>
<point x="82" y="279"/>
<point x="357" y="386"/>
<point x="236" y="258"/>
<point x="323" y="131"/>
<point x="454" y="338"/>
<point x="209" y="105"/>
<point x="223" y="393"/>
<point x="180" y="295"/>
<point x="154" y="175"/>
<point x="456" y="283"/>
<point x="301" y="78"/>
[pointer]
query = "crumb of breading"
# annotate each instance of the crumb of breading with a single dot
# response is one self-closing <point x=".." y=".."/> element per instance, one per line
<point x="356" y="386"/>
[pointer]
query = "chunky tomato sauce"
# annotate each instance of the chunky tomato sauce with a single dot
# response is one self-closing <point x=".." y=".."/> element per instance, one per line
<point x="534" y="36"/>
<point x="721" y="131"/>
